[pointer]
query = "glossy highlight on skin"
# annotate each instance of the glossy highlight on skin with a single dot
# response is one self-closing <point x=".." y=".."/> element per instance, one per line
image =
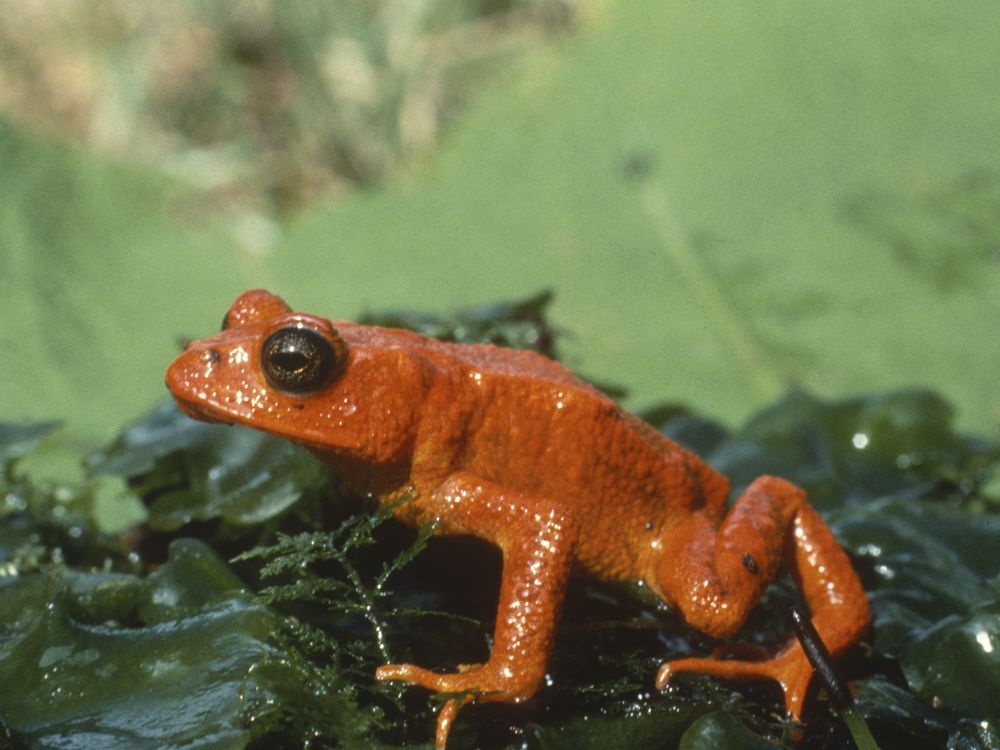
<point x="511" y="447"/>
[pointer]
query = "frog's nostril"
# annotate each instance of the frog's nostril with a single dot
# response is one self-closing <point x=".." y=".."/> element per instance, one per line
<point x="211" y="356"/>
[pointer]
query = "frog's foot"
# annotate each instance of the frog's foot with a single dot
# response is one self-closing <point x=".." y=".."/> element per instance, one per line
<point x="789" y="668"/>
<point x="488" y="683"/>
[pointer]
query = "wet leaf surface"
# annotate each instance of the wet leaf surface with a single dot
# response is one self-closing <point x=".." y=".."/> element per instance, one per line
<point x="106" y="660"/>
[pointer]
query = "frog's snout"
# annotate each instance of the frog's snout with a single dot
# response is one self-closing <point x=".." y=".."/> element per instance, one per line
<point x="191" y="371"/>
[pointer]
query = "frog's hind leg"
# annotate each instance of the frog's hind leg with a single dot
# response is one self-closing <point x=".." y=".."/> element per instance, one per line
<point x="726" y="568"/>
<point x="537" y="541"/>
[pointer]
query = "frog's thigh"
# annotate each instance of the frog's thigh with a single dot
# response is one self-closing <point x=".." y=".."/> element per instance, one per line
<point x="715" y="573"/>
<point x="724" y="571"/>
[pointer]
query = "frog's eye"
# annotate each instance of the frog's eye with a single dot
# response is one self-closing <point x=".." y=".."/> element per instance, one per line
<point x="300" y="360"/>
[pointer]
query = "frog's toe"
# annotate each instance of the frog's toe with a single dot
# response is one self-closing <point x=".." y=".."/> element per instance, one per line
<point x="789" y="668"/>
<point x="471" y="679"/>
<point x="412" y="674"/>
<point x="446" y="717"/>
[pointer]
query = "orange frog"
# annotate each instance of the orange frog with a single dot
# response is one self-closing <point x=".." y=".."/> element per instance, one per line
<point x="510" y="447"/>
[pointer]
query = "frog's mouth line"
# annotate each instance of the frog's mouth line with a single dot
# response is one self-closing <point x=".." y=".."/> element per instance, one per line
<point x="199" y="412"/>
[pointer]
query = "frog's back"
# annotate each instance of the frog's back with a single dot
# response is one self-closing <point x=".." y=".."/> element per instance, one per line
<point x="525" y="421"/>
<point x="537" y="408"/>
<point x="515" y="364"/>
<point x="447" y="357"/>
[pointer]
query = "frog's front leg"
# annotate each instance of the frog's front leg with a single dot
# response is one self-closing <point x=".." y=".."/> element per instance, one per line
<point x="725" y="569"/>
<point x="537" y="541"/>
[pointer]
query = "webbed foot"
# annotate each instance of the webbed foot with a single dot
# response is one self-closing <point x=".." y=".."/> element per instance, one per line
<point x="789" y="668"/>
<point x="478" y="681"/>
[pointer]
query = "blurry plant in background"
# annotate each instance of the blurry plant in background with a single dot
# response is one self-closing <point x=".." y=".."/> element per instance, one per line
<point x="264" y="104"/>
<point x="940" y="233"/>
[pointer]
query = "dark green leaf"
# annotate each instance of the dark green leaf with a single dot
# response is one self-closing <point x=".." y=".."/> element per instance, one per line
<point x="113" y="661"/>
<point x="648" y="727"/>
<point x="197" y="472"/>
<point x="857" y="449"/>
<point x="922" y="562"/>
<point x="521" y="325"/>
<point x="957" y="662"/>
<point x="721" y="731"/>
<point x="975" y="735"/>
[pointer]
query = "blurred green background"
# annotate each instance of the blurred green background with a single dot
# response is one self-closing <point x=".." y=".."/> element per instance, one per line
<point x="728" y="200"/>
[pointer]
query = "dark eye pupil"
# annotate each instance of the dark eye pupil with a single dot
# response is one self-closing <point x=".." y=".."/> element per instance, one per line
<point x="298" y="360"/>
<point x="290" y="361"/>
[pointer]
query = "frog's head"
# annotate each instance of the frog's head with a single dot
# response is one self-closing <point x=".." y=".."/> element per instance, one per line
<point x="336" y="388"/>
